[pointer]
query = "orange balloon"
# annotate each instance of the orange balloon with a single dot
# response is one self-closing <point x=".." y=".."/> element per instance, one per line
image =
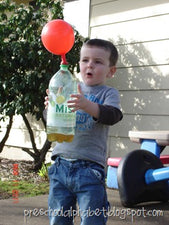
<point x="58" y="37"/>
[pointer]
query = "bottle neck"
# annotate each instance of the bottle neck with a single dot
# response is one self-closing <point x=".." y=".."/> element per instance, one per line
<point x="64" y="67"/>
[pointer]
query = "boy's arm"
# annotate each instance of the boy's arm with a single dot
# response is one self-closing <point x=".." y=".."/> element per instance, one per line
<point x="109" y="115"/>
<point x="105" y="114"/>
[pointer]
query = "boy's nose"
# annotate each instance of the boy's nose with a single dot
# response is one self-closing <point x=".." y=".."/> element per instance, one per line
<point x="90" y="64"/>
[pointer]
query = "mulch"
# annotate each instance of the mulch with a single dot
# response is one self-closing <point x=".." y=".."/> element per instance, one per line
<point x="11" y="170"/>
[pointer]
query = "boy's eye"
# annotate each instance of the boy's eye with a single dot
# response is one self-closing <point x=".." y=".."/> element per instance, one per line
<point x="84" y="60"/>
<point x="98" y="62"/>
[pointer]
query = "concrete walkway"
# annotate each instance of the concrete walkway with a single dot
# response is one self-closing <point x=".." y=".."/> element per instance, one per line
<point x="31" y="211"/>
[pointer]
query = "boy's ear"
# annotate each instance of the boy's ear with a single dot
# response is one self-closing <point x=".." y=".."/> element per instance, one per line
<point x="112" y="71"/>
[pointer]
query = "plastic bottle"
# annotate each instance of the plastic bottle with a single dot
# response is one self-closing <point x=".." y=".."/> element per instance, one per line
<point x="61" y="120"/>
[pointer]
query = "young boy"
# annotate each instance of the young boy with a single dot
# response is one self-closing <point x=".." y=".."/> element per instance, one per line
<point x="78" y="176"/>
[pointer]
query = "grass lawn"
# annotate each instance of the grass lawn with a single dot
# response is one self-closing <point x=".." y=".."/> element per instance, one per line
<point x="23" y="188"/>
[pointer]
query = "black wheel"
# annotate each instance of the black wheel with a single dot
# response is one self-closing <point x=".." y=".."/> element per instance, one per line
<point x="131" y="179"/>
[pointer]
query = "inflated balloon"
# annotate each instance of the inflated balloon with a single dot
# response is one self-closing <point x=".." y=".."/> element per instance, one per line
<point x="58" y="37"/>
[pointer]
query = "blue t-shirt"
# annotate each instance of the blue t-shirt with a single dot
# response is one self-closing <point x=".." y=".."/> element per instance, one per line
<point x="90" y="140"/>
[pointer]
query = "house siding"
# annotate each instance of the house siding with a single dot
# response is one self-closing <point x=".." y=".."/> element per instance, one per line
<point x="139" y="31"/>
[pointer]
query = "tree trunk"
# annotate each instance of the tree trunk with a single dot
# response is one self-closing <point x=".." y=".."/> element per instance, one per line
<point x="38" y="154"/>
<point x="9" y="126"/>
<point x="39" y="161"/>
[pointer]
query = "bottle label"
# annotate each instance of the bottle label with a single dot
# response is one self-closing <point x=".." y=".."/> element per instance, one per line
<point x="59" y="114"/>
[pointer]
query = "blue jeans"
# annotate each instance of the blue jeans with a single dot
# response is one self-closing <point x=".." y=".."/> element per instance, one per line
<point x="81" y="182"/>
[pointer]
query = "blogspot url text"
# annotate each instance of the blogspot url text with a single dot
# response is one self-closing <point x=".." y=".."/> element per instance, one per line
<point x="113" y="212"/>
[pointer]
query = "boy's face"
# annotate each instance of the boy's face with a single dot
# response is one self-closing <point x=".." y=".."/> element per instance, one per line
<point x="95" y="65"/>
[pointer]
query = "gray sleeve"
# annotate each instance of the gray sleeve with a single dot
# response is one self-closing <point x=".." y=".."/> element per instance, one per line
<point x="109" y="115"/>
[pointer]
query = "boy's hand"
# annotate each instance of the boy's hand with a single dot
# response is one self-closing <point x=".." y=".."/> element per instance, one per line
<point x="46" y="99"/>
<point x="80" y="102"/>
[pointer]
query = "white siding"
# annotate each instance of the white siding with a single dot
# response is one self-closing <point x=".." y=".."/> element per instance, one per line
<point x="77" y="14"/>
<point x="19" y="134"/>
<point x="139" y="30"/>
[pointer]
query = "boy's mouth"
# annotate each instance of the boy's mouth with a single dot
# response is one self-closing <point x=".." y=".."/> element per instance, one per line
<point x="89" y="74"/>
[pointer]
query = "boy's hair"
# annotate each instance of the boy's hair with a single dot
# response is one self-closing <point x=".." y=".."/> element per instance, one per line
<point x="107" y="45"/>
